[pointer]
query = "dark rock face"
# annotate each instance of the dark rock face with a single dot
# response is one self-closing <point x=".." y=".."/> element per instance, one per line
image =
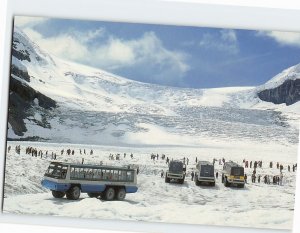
<point x="20" y="73"/>
<point x="22" y="106"/>
<point x="21" y="55"/>
<point x="25" y="103"/>
<point x="288" y="93"/>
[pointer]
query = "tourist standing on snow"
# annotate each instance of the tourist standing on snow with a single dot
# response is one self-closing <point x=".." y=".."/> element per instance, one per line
<point x="253" y="178"/>
<point x="281" y="168"/>
<point x="280" y="178"/>
<point x="192" y="175"/>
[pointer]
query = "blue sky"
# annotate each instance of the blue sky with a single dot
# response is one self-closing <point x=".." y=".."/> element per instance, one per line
<point x="181" y="56"/>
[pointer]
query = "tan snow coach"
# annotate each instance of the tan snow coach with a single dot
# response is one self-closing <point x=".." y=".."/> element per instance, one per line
<point x="233" y="174"/>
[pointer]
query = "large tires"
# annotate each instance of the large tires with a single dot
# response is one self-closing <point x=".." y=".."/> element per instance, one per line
<point x="181" y="181"/>
<point x="73" y="193"/>
<point x="167" y="180"/>
<point x="121" y="194"/>
<point x="241" y="186"/>
<point x="109" y="194"/>
<point x="213" y="184"/>
<point x="197" y="183"/>
<point x="93" y="195"/>
<point x="58" y="194"/>
<point x="226" y="183"/>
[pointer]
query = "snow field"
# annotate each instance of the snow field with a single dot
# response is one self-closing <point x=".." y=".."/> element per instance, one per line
<point x="258" y="205"/>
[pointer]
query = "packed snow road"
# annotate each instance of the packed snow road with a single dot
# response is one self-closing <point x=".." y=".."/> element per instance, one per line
<point x="257" y="205"/>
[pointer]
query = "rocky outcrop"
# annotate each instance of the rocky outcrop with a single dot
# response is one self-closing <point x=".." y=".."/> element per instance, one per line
<point x="23" y="74"/>
<point x="22" y="100"/>
<point x="19" y="54"/>
<point x="288" y="93"/>
<point x="25" y="103"/>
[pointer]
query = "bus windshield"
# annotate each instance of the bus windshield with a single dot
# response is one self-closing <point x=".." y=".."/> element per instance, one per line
<point x="176" y="167"/>
<point x="237" y="171"/>
<point x="57" y="171"/>
<point x="207" y="170"/>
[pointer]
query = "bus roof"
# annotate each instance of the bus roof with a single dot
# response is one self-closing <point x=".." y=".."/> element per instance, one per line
<point x="233" y="164"/>
<point x="205" y="163"/>
<point x="94" y="166"/>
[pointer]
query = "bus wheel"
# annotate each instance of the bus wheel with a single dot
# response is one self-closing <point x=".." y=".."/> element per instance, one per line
<point x="58" y="194"/>
<point x="73" y="193"/>
<point x="93" y="195"/>
<point x="197" y="183"/>
<point x="109" y="194"/>
<point x="167" y="180"/>
<point x="121" y="194"/>
<point x="226" y="183"/>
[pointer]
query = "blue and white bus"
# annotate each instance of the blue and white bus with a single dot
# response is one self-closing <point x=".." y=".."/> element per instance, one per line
<point x="108" y="182"/>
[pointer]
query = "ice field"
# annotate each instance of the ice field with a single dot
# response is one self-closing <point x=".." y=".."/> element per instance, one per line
<point x="257" y="205"/>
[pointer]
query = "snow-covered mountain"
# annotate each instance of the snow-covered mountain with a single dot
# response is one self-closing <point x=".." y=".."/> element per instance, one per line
<point x="60" y="101"/>
<point x="283" y="88"/>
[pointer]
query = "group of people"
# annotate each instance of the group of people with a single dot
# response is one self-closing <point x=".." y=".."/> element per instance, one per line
<point x="17" y="149"/>
<point x="156" y="156"/>
<point x="255" y="164"/>
<point x="34" y="152"/>
<point x="114" y="157"/>
<point x="267" y="179"/>
<point x="72" y="152"/>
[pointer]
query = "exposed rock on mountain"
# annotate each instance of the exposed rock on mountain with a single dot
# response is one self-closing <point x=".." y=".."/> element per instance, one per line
<point x="25" y="101"/>
<point x="288" y="93"/>
<point x="284" y="88"/>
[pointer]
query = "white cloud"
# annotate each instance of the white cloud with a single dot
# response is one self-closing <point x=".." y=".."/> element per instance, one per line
<point x="27" y="21"/>
<point x="63" y="46"/>
<point x="146" y="52"/>
<point x="99" y="49"/>
<point x="228" y="36"/>
<point x="88" y="35"/>
<point x="114" y="54"/>
<point x="225" y="40"/>
<point x="283" y="38"/>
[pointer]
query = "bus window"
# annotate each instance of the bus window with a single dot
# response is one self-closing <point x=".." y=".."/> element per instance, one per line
<point x="106" y="174"/>
<point x="123" y="176"/>
<point x="57" y="171"/>
<point x="237" y="171"/>
<point x="129" y="176"/>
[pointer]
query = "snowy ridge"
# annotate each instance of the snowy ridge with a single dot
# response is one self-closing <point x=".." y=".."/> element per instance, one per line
<point x="291" y="73"/>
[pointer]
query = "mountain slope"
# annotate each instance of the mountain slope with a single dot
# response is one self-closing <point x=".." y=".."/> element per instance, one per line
<point x="57" y="100"/>
<point x="25" y="101"/>
<point x="283" y="88"/>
